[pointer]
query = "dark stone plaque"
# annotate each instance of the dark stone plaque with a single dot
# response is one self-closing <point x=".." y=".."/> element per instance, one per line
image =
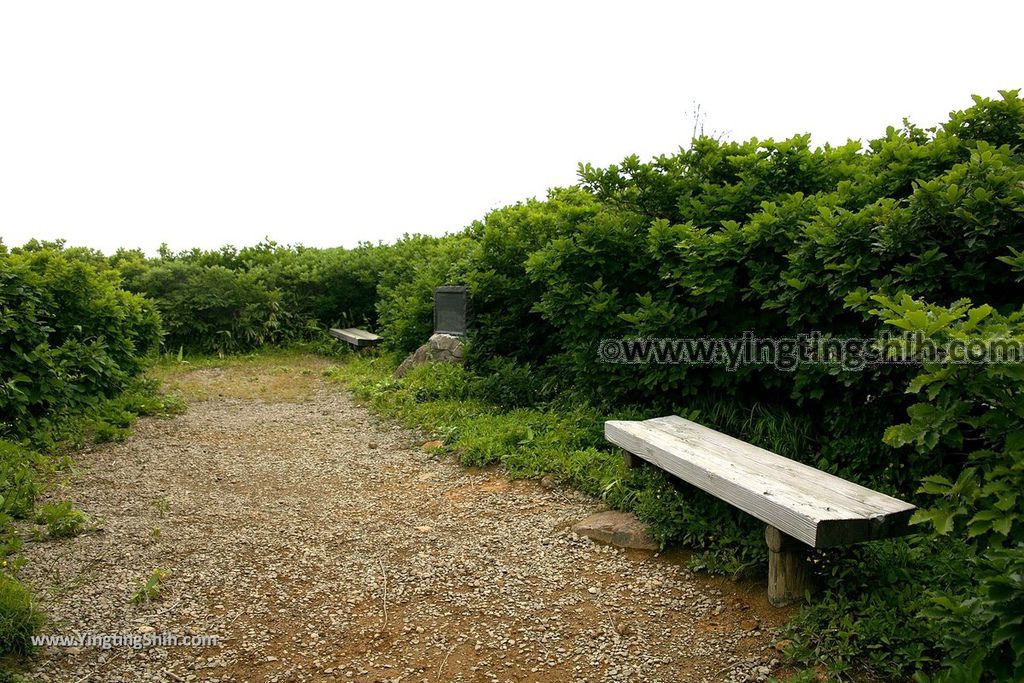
<point x="450" y="310"/>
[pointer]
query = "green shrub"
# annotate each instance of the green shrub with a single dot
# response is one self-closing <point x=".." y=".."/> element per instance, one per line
<point x="507" y="384"/>
<point x="69" y="336"/>
<point x="980" y="629"/>
<point x="72" y="342"/>
<point x="228" y="300"/>
<point x="503" y="298"/>
<point x="211" y="309"/>
<point x="969" y="420"/>
<point x="331" y="287"/>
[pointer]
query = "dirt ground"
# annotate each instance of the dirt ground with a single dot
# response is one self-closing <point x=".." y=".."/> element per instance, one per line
<point x="318" y="542"/>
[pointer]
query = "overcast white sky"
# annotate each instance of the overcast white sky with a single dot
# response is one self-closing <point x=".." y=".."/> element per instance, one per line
<point x="328" y="123"/>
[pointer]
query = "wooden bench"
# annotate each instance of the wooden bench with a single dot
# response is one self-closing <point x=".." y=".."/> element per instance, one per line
<point x="803" y="507"/>
<point x="356" y="337"/>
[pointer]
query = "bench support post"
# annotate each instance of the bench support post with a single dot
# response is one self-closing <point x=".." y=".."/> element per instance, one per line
<point x="632" y="462"/>
<point x="789" y="572"/>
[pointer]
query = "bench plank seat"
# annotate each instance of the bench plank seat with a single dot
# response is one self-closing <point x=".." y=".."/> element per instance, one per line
<point x="812" y="506"/>
<point x="355" y="336"/>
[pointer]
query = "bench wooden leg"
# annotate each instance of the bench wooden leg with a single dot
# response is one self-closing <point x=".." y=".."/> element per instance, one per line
<point x="633" y="462"/>
<point x="789" y="572"/>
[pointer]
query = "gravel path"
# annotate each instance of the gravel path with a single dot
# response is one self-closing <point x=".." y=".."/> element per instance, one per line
<point x="318" y="542"/>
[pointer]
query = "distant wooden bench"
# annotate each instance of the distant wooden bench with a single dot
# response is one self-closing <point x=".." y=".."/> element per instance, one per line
<point x="801" y="505"/>
<point x="356" y="337"/>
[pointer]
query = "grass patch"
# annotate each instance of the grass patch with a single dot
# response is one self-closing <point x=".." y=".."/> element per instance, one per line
<point x="19" y="617"/>
<point x="19" y="469"/>
<point x="279" y="375"/>
<point x="62" y="519"/>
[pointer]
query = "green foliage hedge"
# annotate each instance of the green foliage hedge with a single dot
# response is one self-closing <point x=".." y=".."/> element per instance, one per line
<point x="70" y="337"/>
<point x="230" y="300"/>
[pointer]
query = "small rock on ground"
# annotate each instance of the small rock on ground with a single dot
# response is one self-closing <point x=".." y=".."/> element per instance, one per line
<point x="620" y="529"/>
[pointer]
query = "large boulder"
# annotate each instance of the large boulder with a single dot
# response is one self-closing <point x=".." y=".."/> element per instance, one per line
<point x="622" y="529"/>
<point x="440" y="348"/>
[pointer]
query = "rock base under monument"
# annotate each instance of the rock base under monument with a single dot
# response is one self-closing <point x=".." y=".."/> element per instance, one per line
<point x="440" y="348"/>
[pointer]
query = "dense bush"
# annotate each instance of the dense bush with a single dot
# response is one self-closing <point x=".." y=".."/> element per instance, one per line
<point x="212" y="309"/>
<point x="230" y="300"/>
<point x="69" y="338"/>
<point x="972" y="415"/>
